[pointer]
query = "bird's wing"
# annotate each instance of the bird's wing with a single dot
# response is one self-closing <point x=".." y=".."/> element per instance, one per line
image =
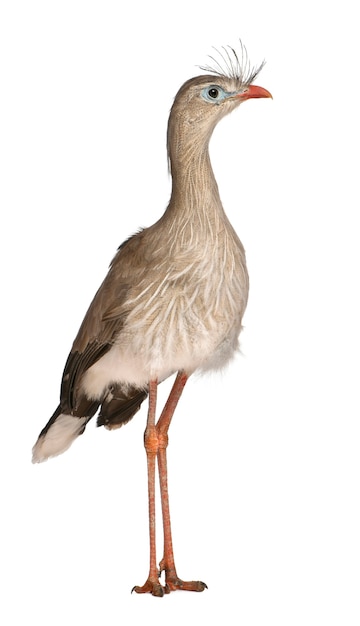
<point x="97" y="333"/>
<point x="103" y="320"/>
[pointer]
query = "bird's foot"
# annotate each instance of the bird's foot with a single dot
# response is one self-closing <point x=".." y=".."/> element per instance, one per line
<point x="152" y="586"/>
<point x="173" y="582"/>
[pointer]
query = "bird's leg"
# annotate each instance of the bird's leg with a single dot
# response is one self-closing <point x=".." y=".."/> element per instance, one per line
<point x="167" y="563"/>
<point x="156" y="441"/>
<point x="152" y="584"/>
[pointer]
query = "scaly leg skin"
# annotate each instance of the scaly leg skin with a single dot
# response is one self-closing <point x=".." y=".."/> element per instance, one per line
<point x="152" y="584"/>
<point x="167" y="564"/>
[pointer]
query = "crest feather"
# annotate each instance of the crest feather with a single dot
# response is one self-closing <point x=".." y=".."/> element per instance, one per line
<point x="228" y="62"/>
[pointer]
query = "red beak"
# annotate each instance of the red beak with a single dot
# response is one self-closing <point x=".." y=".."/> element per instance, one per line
<point x="254" y="92"/>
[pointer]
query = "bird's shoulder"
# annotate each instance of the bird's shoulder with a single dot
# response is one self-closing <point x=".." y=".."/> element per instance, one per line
<point x="138" y="251"/>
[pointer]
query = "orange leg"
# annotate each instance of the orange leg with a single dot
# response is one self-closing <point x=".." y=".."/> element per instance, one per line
<point x="156" y="441"/>
<point x="167" y="563"/>
<point x="152" y="584"/>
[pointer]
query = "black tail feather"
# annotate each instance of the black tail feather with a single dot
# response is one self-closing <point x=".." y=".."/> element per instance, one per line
<point x="120" y="406"/>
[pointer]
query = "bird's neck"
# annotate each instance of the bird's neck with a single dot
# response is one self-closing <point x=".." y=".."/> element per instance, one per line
<point x="194" y="188"/>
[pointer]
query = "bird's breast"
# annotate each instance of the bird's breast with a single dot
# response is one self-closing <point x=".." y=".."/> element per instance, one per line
<point x="188" y="316"/>
<point x="184" y="313"/>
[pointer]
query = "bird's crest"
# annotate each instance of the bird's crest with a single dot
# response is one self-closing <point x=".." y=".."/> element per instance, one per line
<point x="227" y="62"/>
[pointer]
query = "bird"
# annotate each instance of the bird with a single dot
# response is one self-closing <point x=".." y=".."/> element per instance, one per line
<point x="171" y="304"/>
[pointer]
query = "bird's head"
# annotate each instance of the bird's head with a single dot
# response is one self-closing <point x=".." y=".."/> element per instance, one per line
<point x="202" y="101"/>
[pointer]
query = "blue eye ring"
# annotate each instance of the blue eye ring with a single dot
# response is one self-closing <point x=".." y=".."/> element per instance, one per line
<point x="213" y="94"/>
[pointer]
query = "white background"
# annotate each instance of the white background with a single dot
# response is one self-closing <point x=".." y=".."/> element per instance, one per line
<point x="264" y="458"/>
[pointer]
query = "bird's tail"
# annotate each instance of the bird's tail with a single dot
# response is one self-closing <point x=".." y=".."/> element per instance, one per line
<point x="60" y="431"/>
<point x="117" y="408"/>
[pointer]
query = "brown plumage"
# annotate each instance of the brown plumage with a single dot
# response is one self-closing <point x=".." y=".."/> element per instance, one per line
<point x="172" y="301"/>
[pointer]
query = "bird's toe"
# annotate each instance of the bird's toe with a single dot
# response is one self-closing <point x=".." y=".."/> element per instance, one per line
<point x="175" y="583"/>
<point x="151" y="586"/>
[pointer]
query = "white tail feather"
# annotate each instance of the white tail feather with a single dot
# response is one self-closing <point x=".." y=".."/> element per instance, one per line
<point x="58" y="438"/>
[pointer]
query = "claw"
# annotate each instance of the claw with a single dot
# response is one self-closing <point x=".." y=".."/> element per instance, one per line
<point x="153" y="587"/>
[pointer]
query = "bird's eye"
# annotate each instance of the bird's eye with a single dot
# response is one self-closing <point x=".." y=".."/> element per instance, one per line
<point x="214" y="94"/>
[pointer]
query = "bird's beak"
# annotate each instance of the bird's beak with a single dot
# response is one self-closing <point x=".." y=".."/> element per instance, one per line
<point x="254" y="92"/>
